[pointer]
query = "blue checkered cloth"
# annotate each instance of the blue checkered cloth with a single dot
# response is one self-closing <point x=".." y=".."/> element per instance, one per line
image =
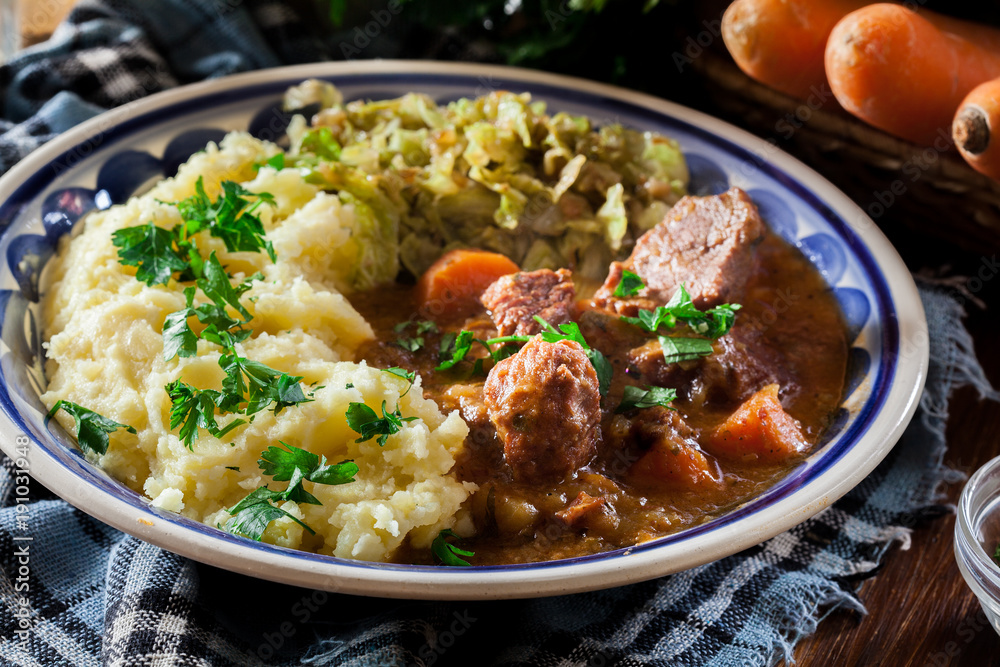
<point x="90" y="595"/>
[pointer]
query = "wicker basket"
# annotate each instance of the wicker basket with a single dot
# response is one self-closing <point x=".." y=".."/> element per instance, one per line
<point x="928" y="189"/>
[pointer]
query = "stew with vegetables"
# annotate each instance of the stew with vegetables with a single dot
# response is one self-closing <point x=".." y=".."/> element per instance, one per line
<point x="703" y="369"/>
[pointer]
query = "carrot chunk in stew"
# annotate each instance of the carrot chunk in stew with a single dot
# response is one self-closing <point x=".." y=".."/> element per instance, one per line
<point x="760" y="429"/>
<point x="452" y="286"/>
<point x="677" y="465"/>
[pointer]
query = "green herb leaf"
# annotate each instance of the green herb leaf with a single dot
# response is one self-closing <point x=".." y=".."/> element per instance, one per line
<point x="410" y="344"/>
<point x="448" y="553"/>
<point x="630" y="285"/>
<point x="150" y="249"/>
<point x="294" y="465"/>
<point x="230" y="217"/>
<point x="250" y="386"/>
<point x="368" y="424"/>
<point x="178" y="339"/>
<point x="714" y="323"/>
<point x="637" y="398"/>
<point x="410" y="376"/>
<point x="217" y="287"/>
<point x="92" y="429"/>
<point x="254" y="514"/>
<point x="454" y="348"/>
<point x="192" y="409"/>
<point x="276" y="161"/>
<point x="684" y="349"/>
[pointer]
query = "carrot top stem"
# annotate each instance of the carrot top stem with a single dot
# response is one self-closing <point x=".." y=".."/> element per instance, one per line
<point x="971" y="130"/>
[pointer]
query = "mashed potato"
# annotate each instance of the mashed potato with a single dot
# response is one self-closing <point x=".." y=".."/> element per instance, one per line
<point x="105" y="352"/>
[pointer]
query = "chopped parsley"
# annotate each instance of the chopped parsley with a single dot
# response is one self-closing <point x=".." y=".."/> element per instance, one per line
<point x="151" y="250"/>
<point x="404" y="374"/>
<point x="231" y="217"/>
<point x="368" y="424"/>
<point x="637" y="398"/>
<point x="630" y="285"/>
<point x="996" y="554"/>
<point x="253" y="514"/>
<point x="415" y="342"/>
<point x="684" y="349"/>
<point x="192" y="408"/>
<point x="448" y="553"/>
<point x="713" y="323"/>
<point x="454" y="348"/>
<point x="250" y="386"/>
<point x="92" y="429"/>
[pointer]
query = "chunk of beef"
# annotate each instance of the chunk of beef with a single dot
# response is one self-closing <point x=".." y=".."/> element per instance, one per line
<point x="704" y="242"/>
<point x="741" y="363"/>
<point x="514" y="300"/>
<point x="546" y="407"/>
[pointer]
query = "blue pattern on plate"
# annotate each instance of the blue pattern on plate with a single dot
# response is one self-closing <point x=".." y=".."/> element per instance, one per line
<point x="125" y="172"/>
<point x="856" y="309"/>
<point x="778" y="215"/>
<point x="186" y="144"/>
<point x="859" y="364"/>
<point x="26" y="255"/>
<point x="707" y="177"/>
<point x="63" y="208"/>
<point x="270" y="123"/>
<point x="827" y="254"/>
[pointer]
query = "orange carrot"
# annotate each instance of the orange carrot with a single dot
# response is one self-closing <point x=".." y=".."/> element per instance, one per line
<point x="906" y="73"/>
<point x="759" y="430"/>
<point x="674" y="465"/>
<point x="454" y="283"/>
<point x="781" y="42"/>
<point x="977" y="119"/>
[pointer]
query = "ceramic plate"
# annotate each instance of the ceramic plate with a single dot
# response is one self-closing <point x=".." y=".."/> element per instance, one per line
<point x="104" y="161"/>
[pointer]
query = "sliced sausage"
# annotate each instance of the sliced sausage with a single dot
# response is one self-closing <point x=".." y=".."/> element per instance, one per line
<point x="514" y="300"/>
<point x="546" y="407"/>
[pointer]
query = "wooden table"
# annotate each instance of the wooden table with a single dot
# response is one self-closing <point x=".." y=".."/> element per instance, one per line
<point x="920" y="610"/>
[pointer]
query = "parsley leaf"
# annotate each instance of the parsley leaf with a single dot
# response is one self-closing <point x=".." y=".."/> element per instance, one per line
<point x="256" y="385"/>
<point x="714" y="322"/>
<point x="191" y="409"/>
<point x="684" y="349"/>
<point x="368" y="424"/>
<point x="230" y="217"/>
<point x="178" y="339"/>
<point x="448" y="553"/>
<point x="404" y="374"/>
<point x="295" y="465"/>
<point x="255" y="512"/>
<point x="150" y="249"/>
<point x="454" y="348"/>
<point x="637" y="398"/>
<point x="276" y="161"/>
<point x="92" y="429"/>
<point x="410" y="344"/>
<point x="630" y="285"/>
